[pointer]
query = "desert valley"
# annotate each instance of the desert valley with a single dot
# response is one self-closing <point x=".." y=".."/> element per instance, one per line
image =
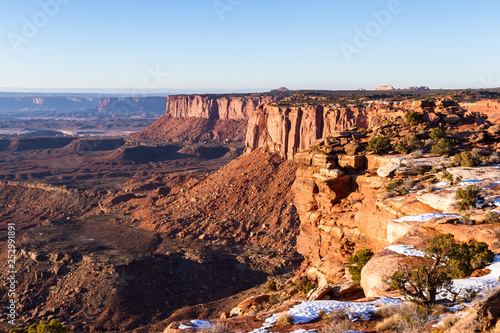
<point x="283" y="211"/>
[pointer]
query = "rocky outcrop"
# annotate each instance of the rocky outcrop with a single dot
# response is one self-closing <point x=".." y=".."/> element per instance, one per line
<point x="488" y="107"/>
<point x="289" y="130"/>
<point x="215" y="107"/>
<point x="324" y="238"/>
<point x="205" y="118"/>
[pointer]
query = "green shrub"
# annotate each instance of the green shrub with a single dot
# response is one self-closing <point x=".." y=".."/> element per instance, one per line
<point x="444" y="259"/>
<point x="273" y="299"/>
<point x="441" y="147"/>
<point x="393" y="185"/>
<point x="304" y="285"/>
<point x="461" y="259"/>
<point x="357" y="262"/>
<point x="413" y="118"/>
<point x="413" y="143"/>
<point x="18" y="330"/>
<point x="378" y="144"/>
<point x="399" y="186"/>
<point x="54" y="326"/>
<point x="437" y="133"/>
<point x="466" y="159"/>
<point x="448" y="176"/>
<point x="467" y="198"/>
<point x="271" y="286"/>
<point x="491" y="217"/>
<point x="401" y="148"/>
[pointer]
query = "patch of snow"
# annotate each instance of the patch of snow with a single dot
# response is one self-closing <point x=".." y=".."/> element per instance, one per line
<point x="470" y="182"/>
<point x="308" y="311"/>
<point x="407" y="250"/>
<point x="480" y="284"/>
<point x="423" y="217"/>
<point x="442" y="184"/>
<point x="456" y="308"/>
<point x="199" y="324"/>
<point x="399" y="199"/>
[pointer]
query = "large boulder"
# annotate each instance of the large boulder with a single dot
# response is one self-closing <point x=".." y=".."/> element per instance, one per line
<point x="494" y="130"/>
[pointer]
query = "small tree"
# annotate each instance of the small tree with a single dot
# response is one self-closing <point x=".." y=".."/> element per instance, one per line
<point x="437" y="133"/>
<point x="444" y="259"/>
<point x="378" y="144"/>
<point x="441" y="147"/>
<point x="413" y="118"/>
<point x="468" y="198"/>
<point x="491" y="217"/>
<point x="413" y="143"/>
<point x="466" y="159"/>
<point x="357" y="262"/>
<point x="422" y="284"/>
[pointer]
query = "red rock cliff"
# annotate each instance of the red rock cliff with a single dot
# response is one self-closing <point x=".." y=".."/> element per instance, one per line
<point x="195" y="118"/>
<point x="236" y="108"/>
<point x="289" y="130"/>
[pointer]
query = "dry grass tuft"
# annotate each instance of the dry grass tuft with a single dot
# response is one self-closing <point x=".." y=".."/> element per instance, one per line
<point x="340" y="326"/>
<point x="284" y="319"/>
<point x="218" y="328"/>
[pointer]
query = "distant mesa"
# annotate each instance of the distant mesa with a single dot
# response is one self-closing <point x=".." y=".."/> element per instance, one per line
<point x="418" y="88"/>
<point x="280" y="89"/>
<point x="390" y="88"/>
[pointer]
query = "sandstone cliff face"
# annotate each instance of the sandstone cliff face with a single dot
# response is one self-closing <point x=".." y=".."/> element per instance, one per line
<point x="289" y="130"/>
<point x="327" y="231"/>
<point x="238" y="108"/>
<point x="195" y="118"/>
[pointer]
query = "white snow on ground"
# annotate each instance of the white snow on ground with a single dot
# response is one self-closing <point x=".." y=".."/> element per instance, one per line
<point x="399" y="199"/>
<point x="481" y="284"/>
<point x="308" y="311"/>
<point x="200" y="324"/>
<point x="470" y="182"/>
<point x="423" y="217"/>
<point x="442" y="184"/>
<point x="407" y="250"/>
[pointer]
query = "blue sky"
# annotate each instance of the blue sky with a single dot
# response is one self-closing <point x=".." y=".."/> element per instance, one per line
<point x="210" y="45"/>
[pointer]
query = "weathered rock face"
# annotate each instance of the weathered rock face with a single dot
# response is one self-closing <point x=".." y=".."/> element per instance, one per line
<point x="195" y="118"/>
<point x="327" y="230"/>
<point x="184" y="106"/>
<point x="289" y="130"/>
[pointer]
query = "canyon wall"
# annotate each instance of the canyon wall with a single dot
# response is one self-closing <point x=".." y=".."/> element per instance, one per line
<point x="213" y="107"/>
<point x="208" y="119"/>
<point x="289" y="130"/>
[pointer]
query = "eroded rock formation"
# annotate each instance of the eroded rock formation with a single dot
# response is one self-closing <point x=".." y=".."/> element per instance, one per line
<point x="207" y="118"/>
<point x="289" y="130"/>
